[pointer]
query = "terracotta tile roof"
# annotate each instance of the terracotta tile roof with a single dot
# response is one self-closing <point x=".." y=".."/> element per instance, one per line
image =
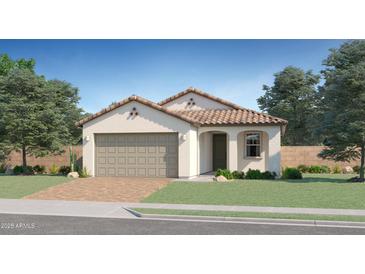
<point x="130" y="99"/>
<point x="201" y="93"/>
<point x="210" y="117"/>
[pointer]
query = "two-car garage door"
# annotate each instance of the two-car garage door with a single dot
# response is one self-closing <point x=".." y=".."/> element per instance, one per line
<point x="137" y="154"/>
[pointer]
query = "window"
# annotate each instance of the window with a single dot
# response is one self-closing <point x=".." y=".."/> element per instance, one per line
<point x="253" y="145"/>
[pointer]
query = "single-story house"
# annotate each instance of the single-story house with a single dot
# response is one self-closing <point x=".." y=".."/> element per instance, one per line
<point x="188" y="134"/>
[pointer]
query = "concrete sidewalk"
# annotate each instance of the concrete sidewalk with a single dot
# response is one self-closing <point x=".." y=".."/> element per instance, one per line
<point x="118" y="210"/>
<point x="64" y="208"/>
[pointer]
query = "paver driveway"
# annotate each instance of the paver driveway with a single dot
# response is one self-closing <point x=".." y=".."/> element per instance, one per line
<point x="106" y="189"/>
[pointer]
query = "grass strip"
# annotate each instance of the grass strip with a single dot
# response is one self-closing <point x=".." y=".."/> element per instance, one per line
<point x="250" y="214"/>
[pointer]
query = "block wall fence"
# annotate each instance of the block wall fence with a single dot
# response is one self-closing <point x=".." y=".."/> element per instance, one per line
<point x="291" y="156"/>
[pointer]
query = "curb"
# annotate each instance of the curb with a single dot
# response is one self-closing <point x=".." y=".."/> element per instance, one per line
<point x="267" y="221"/>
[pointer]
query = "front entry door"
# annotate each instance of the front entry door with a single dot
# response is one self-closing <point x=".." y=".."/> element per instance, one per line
<point x="219" y="151"/>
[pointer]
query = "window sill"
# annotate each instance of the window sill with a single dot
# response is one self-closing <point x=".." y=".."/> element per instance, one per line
<point x="253" y="158"/>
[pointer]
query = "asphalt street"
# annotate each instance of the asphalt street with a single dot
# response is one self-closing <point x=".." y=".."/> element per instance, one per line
<point x="39" y="224"/>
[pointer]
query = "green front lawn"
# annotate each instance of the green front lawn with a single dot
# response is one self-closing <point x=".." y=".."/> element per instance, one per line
<point x="15" y="187"/>
<point x="250" y="214"/>
<point x="315" y="190"/>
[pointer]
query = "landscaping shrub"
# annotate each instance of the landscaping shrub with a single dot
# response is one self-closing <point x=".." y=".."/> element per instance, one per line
<point x="2" y="168"/>
<point x="336" y="169"/>
<point x="64" y="170"/>
<point x="39" y="169"/>
<point x="325" y="169"/>
<point x="20" y="170"/>
<point x="292" y="173"/>
<point x="238" y="174"/>
<point x="253" y="174"/>
<point x="223" y="172"/>
<point x="356" y="169"/>
<point x="53" y="170"/>
<point x="303" y="168"/>
<point x="314" y="169"/>
<point x="84" y="174"/>
<point x="267" y="175"/>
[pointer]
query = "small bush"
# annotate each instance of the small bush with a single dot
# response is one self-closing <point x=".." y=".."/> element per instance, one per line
<point x="53" y="170"/>
<point x="253" y="174"/>
<point x="337" y="169"/>
<point x="84" y="174"/>
<point x="18" y="170"/>
<point x="64" y="170"/>
<point x="356" y="169"/>
<point x="2" y="168"/>
<point x="21" y="170"/>
<point x="39" y="169"/>
<point x="325" y="169"/>
<point x="238" y="174"/>
<point x="314" y="169"/>
<point x="303" y="168"/>
<point x="292" y="173"/>
<point x="223" y="172"/>
<point x="267" y="175"/>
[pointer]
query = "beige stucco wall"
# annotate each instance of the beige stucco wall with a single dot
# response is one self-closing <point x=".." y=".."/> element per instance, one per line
<point x="201" y="102"/>
<point x="205" y="152"/>
<point x="147" y="120"/>
<point x="236" y="160"/>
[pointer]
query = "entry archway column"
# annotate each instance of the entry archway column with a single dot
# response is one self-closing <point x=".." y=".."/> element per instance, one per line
<point x="232" y="151"/>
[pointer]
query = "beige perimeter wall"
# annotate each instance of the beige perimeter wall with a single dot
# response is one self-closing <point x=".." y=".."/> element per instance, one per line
<point x="15" y="158"/>
<point x="291" y="156"/>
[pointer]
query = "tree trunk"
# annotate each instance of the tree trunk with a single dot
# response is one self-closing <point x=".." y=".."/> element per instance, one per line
<point x="362" y="161"/>
<point x="24" y="156"/>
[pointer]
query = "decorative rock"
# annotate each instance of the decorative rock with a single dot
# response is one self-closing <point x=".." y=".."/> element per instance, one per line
<point x="220" y="179"/>
<point x="347" y="169"/>
<point x="73" y="175"/>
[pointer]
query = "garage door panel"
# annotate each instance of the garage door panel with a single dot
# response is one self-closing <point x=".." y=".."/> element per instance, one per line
<point x="162" y="172"/>
<point x="144" y="154"/>
<point x="141" y="160"/>
<point x="101" y="150"/>
<point x="121" y="172"/>
<point x="131" y="172"/>
<point x="151" y="160"/>
<point x="101" y="160"/>
<point x="141" y="172"/>
<point x="111" y="171"/>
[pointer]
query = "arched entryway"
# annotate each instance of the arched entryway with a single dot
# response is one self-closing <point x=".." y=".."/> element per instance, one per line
<point x="213" y="151"/>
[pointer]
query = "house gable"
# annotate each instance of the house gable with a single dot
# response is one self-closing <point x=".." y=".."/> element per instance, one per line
<point x="193" y="101"/>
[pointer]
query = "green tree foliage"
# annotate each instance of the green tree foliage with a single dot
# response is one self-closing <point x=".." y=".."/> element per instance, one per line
<point x="293" y="97"/>
<point x="7" y="64"/>
<point x="343" y="104"/>
<point x="37" y="116"/>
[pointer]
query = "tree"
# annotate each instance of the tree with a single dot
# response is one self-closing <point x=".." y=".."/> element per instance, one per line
<point x="7" y="64"/>
<point x="293" y="97"/>
<point x="37" y="116"/>
<point x="343" y="104"/>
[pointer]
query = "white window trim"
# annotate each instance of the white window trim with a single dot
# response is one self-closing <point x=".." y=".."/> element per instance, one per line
<point x="245" y="145"/>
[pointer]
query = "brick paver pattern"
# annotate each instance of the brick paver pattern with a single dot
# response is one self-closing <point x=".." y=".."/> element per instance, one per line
<point x="103" y="189"/>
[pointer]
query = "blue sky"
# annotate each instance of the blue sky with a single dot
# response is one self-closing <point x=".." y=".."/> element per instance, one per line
<point x="110" y="70"/>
